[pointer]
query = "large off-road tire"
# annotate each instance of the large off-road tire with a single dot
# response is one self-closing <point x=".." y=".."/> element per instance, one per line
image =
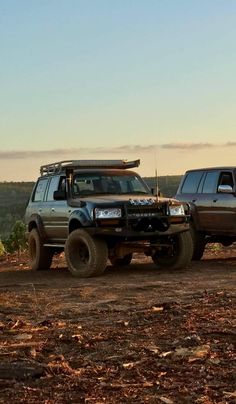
<point x="86" y="256"/>
<point x="199" y="243"/>
<point x="40" y="257"/>
<point x="121" y="262"/>
<point x="178" y="255"/>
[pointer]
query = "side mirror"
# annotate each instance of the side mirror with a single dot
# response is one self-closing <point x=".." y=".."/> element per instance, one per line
<point x="225" y="189"/>
<point x="59" y="195"/>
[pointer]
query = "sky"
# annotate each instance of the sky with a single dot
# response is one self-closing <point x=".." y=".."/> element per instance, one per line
<point x="117" y="79"/>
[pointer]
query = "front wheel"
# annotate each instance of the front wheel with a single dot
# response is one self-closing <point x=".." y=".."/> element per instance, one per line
<point x="40" y="257"/>
<point x="199" y="243"/>
<point x="178" y="254"/>
<point x="86" y="256"/>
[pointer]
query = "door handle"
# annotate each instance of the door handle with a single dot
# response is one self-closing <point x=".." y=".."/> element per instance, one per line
<point x="194" y="200"/>
<point x="52" y="210"/>
<point x="215" y="200"/>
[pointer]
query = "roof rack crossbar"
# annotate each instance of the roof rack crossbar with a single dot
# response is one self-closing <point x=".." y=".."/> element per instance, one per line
<point x="59" y="166"/>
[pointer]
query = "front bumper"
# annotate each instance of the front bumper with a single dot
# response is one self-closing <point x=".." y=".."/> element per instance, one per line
<point x="127" y="233"/>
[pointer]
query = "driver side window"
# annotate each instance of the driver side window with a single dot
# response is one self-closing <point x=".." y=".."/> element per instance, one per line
<point x="226" y="179"/>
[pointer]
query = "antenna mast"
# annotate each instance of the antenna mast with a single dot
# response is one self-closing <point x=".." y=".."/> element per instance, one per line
<point x="156" y="176"/>
<point x="157" y="185"/>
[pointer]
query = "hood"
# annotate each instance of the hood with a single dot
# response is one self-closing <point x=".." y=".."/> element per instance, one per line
<point x="133" y="199"/>
<point x="115" y="198"/>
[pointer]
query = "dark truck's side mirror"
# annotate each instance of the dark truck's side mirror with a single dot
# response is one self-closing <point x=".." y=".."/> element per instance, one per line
<point x="59" y="195"/>
<point x="225" y="189"/>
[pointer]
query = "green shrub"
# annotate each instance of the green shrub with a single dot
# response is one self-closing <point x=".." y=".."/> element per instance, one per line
<point x="16" y="242"/>
<point x="2" y="249"/>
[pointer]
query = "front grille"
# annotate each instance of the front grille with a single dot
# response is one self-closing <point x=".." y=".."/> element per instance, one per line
<point x="144" y="211"/>
<point x="147" y="218"/>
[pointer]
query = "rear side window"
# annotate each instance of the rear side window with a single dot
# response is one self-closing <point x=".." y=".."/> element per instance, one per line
<point x="40" y="190"/>
<point x="210" y="183"/>
<point x="52" y="187"/>
<point x="191" y="182"/>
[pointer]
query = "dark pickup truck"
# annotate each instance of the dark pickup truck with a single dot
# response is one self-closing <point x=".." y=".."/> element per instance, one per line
<point x="211" y="193"/>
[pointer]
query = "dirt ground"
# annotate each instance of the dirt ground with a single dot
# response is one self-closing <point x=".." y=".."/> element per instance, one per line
<point x="135" y="335"/>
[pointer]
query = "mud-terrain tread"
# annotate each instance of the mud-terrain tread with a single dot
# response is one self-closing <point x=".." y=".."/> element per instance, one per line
<point x="97" y="251"/>
<point x="183" y="255"/>
<point x="40" y="257"/>
<point x="199" y="243"/>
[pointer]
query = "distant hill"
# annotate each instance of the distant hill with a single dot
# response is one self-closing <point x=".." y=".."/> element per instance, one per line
<point x="14" y="197"/>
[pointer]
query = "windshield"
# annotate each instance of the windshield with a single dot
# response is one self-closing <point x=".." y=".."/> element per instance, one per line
<point x="91" y="184"/>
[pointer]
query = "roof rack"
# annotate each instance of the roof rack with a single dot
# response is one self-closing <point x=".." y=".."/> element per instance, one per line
<point x="58" y="167"/>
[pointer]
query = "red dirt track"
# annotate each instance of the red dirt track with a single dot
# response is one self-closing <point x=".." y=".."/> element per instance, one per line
<point x="135" y="335"/>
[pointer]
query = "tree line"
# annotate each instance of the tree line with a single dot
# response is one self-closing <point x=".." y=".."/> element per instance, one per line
<point x="13" y="200"/>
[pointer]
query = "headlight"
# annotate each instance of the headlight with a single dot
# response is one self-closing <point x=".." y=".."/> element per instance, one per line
<point x="176" y="210"/>
<point x="109" y="213"/>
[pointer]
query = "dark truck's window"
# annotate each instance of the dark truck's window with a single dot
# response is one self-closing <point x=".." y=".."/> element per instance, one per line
<point x="40" y="190"/>
<point x="191" y="182"/>
<point x="210" y="183"/>
<point x="226" y="178"/>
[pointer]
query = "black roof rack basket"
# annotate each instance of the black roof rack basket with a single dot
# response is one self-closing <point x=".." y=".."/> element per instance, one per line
<point x="60" y="166"/>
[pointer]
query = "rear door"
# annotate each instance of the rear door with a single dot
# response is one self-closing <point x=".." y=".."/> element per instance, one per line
<point x="38" y="205"/>
<point x="223" y="206"/>
<point x="190" y="191"/>
<point x="57" y="212"/>
<point x="199" y="188"/>
<point x="207" y="191"/>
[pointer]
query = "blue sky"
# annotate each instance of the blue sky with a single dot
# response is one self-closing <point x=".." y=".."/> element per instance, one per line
<point x="150" y="79"/>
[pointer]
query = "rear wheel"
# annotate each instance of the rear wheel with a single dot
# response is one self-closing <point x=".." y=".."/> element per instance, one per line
<point x="199" y="243"/>
<point x="121" y="262"/>
<point x="86" y="256"/>
<point x="40" y="257"/>
<point x="178" y="254"/>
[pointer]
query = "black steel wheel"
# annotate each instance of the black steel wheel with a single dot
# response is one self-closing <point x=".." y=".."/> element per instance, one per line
<point x="177" y="254"/>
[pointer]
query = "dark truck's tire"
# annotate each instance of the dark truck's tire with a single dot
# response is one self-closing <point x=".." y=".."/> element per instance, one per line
<point x="179" y="255"/>
<point x="86" y="256"/>
<point x="40" y="257"/>
<point x="121" y="262"/>
<point x="199" y="243"/>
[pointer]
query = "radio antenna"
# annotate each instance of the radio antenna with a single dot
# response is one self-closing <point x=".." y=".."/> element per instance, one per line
<point x="156" y="177"/>
<point x="156" y="184"/>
